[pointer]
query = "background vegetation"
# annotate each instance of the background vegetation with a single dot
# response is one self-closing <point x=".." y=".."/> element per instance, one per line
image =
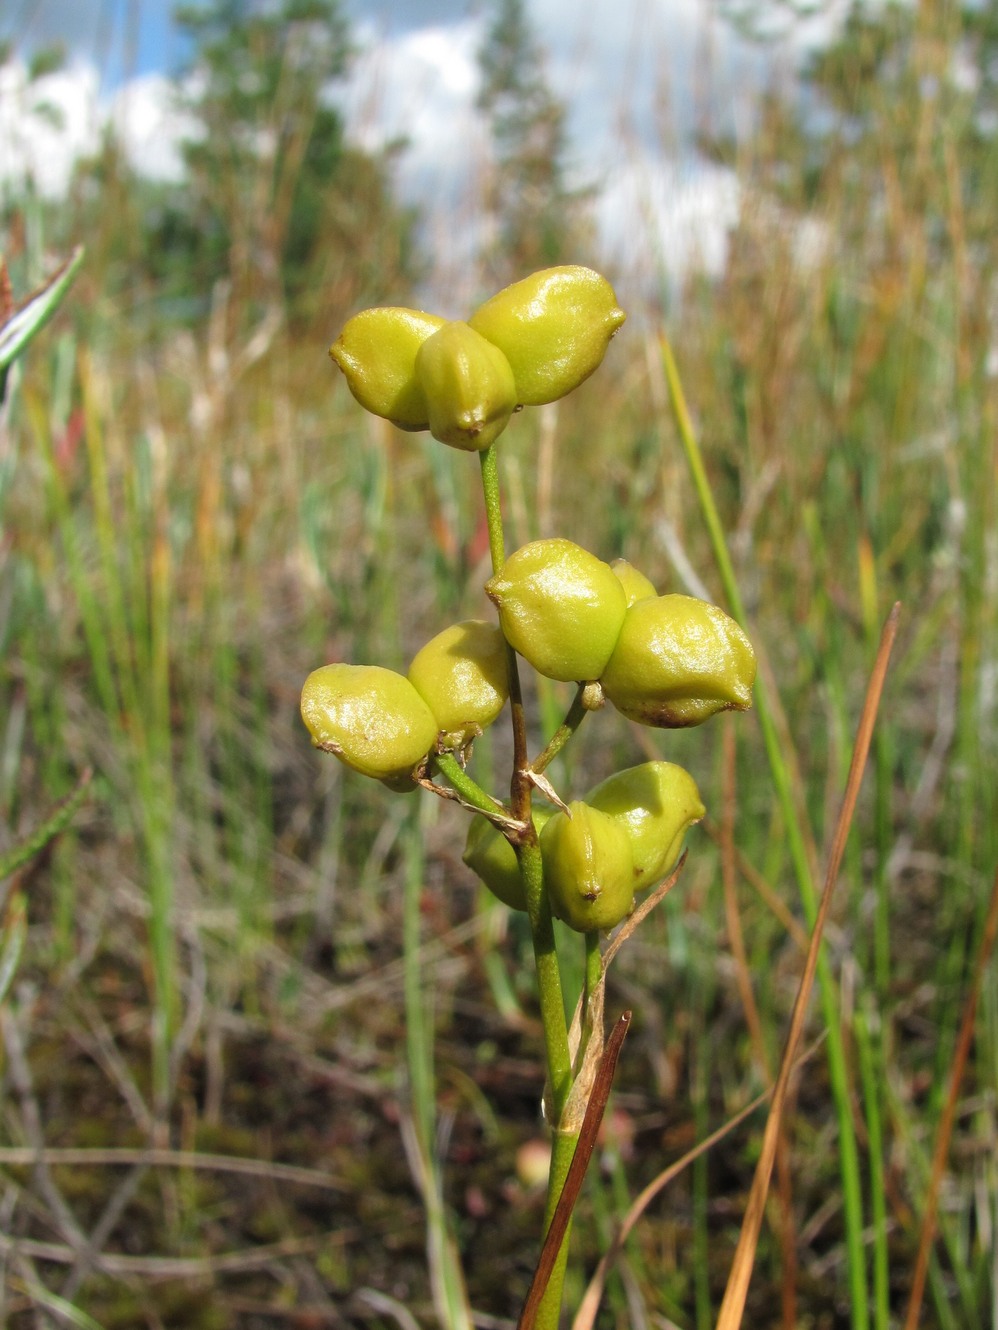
<point x="206" y="1113"/>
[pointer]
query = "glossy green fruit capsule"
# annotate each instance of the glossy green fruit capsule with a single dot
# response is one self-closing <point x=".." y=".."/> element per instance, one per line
<point x="636" y="585"/>
<point x="588" y="868"/>
<point x="461" y="676"/>
<point x="488" y="853"/>
<point x="553" y="327"/>
<point x="371" y="718"/>
<point x="560" y="607"/>
<point x="656" y="803"/>
<point x="468" y="386"/>
<point x="678" y="661"/>
<point x="377" y="353"/>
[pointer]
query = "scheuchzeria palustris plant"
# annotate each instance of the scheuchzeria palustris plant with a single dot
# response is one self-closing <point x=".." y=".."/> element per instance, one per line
<point x="668" y="661"/>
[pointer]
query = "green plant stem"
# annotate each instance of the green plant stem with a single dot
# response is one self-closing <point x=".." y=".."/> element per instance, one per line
<point x="469" y="790"/>
<point x="594" y="962"/>
<point x="779" y="769"/>
<point x="873" y="1077"/>
<point x="563" y="1145"/>
<point x="594" y="973"/>
<point x="528" y="853"/>
<point x="559" y="1062"/>
<point x="493" y="506"/>
<point x="548" y="978"/>
<point x="576" y="715"/>
<point x="520" y="787"/>
<point x="419" y="1047"/>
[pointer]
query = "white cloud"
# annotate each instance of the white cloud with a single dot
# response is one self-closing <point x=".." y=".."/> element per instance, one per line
<point x="419" y="87"/>
<point x="144" y="115"/>
<point x="657" y="219"/>
<point x="653" y="216"/>
<point x="47" y="124"/>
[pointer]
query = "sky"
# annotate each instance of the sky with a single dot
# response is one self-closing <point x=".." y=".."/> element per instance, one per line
<point x="635" y="75"/>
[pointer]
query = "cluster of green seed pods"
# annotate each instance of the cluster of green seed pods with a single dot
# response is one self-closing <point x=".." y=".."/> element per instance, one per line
<point x="669" y="661"/>
<point x="531" y="343"/>
<point x="385" y="724"/>
<point x="623" y="837"/>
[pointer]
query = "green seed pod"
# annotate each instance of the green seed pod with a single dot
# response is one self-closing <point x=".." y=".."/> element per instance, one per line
<point x="488" y="853"/>
<point x="677" y="662"/>
<point x="377" y="353"/>
<point x="553" y="327"/>
<point x="588" y="868"/>
<point x="461" y="676"/>
<point x="560" y="607"/>
<point x="636" y="585"/>
<point x="656" y="802"/>
<point x="468" y="386"/>
<point x="371" y="718"/>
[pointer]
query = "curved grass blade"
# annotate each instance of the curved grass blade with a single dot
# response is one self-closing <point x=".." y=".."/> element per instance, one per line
<point x="60" y="1307"/>
<point x="18" y="855"/>
<point x="32" y="314"/>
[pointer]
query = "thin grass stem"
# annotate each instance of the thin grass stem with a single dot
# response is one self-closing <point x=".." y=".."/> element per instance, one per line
<point x="450" y="1294"/>
<point x="549" y="985"/>
<point x="779" y="770"/>
<point x="867" y="1048"/>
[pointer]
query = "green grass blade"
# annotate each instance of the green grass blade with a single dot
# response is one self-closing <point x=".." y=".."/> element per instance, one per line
<point x="872" y="1076"/>
<point x="57" y="821"/>
<point x="15" y="930"/>
<point x="62" y="1309"/>
<point x="780" y="772"/>
<point x="446" y="1274"/>
<point x="29" y="319"/>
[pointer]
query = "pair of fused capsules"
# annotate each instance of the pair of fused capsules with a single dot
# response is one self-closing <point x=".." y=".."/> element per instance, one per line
<point x="599" y="851"/>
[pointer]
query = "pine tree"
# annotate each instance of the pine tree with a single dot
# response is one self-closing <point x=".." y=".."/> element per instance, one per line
<point x="539" y="219"/>
<point x="278" y="195"/>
